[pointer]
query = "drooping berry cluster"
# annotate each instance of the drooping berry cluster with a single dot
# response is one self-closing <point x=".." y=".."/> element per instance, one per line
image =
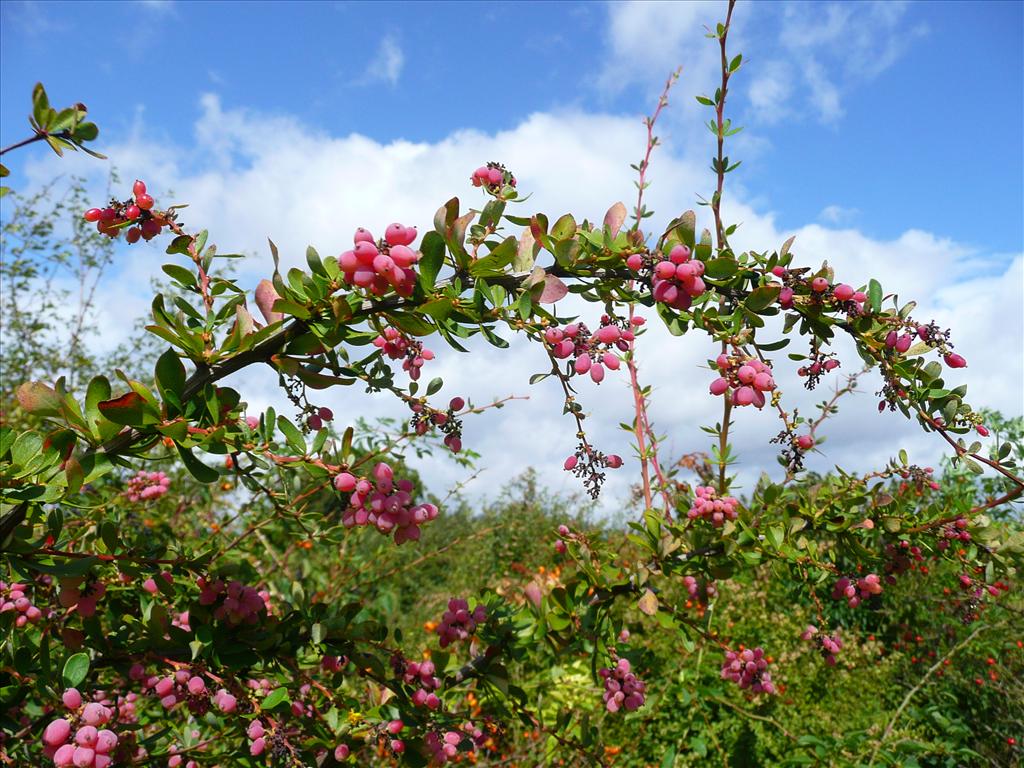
<point x="592" y="352"/>
<point x="828" y="645"/>
<point x="379" y="266"/>
<point x="14" y="597"/>
<point x="235" y="602"/>
<point x="444" y="747"/>
<point x="137" y="211"/>
<point x="622" y="688"/>
<point x="955" y="531"/>
<point x="397" y="346"/>
<point x="902" y="558"/>
<point x="857" y="591"/>
<point x="419" y="674"/>
<point x="969" y="608"/>
<point x="587" y="463"/>
<point x="700" y="590"/>
<point x="91" y="745"/>
<point x="747" y="377"/>
<point x="448" y="422"/>
<point x="493" y="177"/>
<point x="458" y="622"/>
<point x="315" y="421"/>
<point x="384" y="504"/>
<point x="708" y="505"/>
<point x="820" y="363"/>
<point x="748" y="668"/>
<point x="147" y="486"/>
<point x="183" y="686"/>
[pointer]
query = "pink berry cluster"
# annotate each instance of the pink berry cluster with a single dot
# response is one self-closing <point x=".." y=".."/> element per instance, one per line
<point x="147" y="486"/>
<point x="902" y="558"/>
<point x="422" y="675"/>
<point x="381" y="265"/>
<point x="445" y="747"/>
<point x="81" y="594"/>
<point x="112" y="219"/>
<point x="397" y="346"/>
<point x="493" y="177"/>
<point x="749" y="668"/>
<point x="384" y="504"/>
<point x="13" y="597"/>
<point x="676" y="280"/>
<point x="258" y="737"/>
<point x="592" y="352"/>
<point x="235" y="602"/>
<point x="187" y="686"/>
<point x="390" y="731"/>
<point x="955" y="531"/>
<point x="828" y="645"/>
<point x="315" y="421"/>
<point x="622" y="688"/>
<point x="857" y="591"/>
<point x="91" y="744"/>
<point x="458" y="622"/>
<point x="698" y="590"/>
<point x="747" y="379"/>
<point x="708" y="505"/>
<point x="423" y="417"/>
<point x="844" y="296"/>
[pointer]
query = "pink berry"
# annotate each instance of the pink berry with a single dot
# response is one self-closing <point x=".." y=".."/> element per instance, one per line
<point x="953" y="360"/>
<point x="456" y="404"/>
<point x="72" y="698"/>
<point x="806" y="442"/>
<point x="719" y="386"/>
<point x="138" y="188"/>
<point x="93" y="214"/>
<point x="570" y="463"/>
<point x="57" y="733"/>
<point x="144" y="201"/>
<point x="843" y="292"/>
<point x="819" y="285"/>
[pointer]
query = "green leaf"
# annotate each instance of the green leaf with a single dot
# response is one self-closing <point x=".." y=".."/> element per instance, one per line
<point x="432" y="248"/>
<point x="762" y="297"/>
<point x="292" y="434"/>
<point x="274" y="698"/>
<point x="719" y="269"/>
<point x="875" y="295"/>
<point x="564" y="228"/>
<point x="76" y="669"/>
<point x="170" y="377"/>
<point x="196" y="468"/>
<point x="181" y="274"/>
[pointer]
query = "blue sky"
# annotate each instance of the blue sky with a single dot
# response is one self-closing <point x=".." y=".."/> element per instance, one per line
<point x="932" y="141"/>
<point x="886" y="136"/>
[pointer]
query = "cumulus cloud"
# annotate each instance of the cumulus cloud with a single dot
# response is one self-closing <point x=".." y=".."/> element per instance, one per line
<point x="250" y="176"/>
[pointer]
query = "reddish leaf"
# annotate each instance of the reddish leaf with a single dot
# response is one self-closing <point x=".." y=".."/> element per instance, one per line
<point x="126" y="409"/>
<point x="36" y="397"/>
<point x="614" y="218"/>
<point x="554" y="289"/>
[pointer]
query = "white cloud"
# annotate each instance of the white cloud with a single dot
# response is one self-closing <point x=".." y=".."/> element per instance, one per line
<point x="249" y="176"/>
<point x="837" y="214"/>
<point x="386" y="65"/>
